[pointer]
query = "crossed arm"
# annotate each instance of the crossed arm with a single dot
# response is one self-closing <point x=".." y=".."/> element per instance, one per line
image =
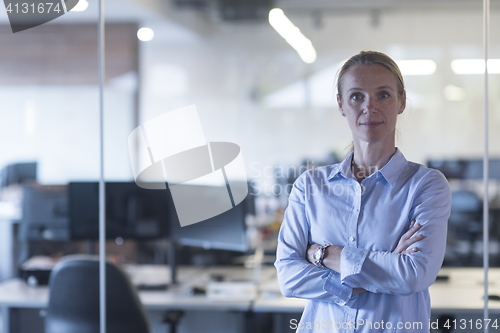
<point x="333" y="256"/>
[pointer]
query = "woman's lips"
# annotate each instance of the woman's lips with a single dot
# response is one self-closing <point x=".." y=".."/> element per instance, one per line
<point x="371" y="124"/>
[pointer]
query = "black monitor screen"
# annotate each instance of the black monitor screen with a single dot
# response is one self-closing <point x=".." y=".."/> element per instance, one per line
<point x="451" y="169"/>
<point x="131" y="212"/>
<point x="474" y="169"/>
<point x="45" y="213"/>
<point x="18" y="173"/>
<point x="226" y="231"/>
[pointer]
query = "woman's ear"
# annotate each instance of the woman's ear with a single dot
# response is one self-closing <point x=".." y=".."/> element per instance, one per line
<point x="403" y="102"/>
<point x="339" y="102"/>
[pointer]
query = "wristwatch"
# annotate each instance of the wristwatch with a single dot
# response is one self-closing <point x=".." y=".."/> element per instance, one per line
<point x="319" y="255"/>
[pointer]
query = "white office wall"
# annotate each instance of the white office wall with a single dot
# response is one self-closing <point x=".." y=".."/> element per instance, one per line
<point x="58" y="126"/>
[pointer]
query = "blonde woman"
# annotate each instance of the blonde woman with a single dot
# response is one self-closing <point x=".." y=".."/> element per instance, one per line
<point x="363" y="240"/>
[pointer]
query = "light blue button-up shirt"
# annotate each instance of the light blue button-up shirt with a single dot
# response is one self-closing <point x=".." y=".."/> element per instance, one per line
<point x="327" y="205"/>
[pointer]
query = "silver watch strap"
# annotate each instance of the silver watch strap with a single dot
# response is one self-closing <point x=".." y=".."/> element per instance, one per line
<point x="319" y="262"/>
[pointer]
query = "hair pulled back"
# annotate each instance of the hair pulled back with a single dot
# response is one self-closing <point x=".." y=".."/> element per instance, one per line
<point x="366" y="57"/>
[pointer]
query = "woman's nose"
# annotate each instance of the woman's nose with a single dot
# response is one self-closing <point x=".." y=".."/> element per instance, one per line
<point x="370" y="106"/>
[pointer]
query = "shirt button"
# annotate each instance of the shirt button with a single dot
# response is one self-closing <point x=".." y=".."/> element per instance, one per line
<point x="351" y="239"/>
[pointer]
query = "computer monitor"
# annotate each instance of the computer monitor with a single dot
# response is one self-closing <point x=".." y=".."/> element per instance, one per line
<point x="226" y="231"/>
<point x="451" y="168"/>
<point x="18" y="173"/>
<point x="474" y="169"/>
<point x="45" y="213"/>
<point x="131" y="212"/>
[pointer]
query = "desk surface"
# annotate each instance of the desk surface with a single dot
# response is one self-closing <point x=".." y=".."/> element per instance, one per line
<point x="464" y="290"/>
<point x="15" y="293"/>
<point x="179" y="297"/>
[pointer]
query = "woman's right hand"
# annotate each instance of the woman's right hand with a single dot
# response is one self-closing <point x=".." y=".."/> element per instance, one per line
<point x="408" y="239"/>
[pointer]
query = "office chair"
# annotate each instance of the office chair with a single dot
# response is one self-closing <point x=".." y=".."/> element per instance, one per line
<point x="74" y="299"/>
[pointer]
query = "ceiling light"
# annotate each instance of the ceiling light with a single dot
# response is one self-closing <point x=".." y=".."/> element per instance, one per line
<point x="145" y="34"/>
<point x="475" y="66"/>
<point x="416" y="67"/>
<point x="292" y="35"/>
<point x="80" y="6"/>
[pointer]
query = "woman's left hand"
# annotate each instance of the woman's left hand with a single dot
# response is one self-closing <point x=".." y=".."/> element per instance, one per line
<point x="408" y="239"/>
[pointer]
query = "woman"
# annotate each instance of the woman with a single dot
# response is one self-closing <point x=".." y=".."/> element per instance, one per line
<point x="362" y="240"/>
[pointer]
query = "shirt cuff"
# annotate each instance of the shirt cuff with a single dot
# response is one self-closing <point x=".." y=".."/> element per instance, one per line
<point x="351" y="261"/>
<point x="341" y="292"/>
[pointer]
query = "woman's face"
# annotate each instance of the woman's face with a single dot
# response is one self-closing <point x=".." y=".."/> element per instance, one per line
<point x="371" y="103"/>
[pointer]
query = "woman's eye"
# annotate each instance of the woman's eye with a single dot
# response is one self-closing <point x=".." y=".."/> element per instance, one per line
<point x="356" y="97"/>
<point x="384" y="95"/>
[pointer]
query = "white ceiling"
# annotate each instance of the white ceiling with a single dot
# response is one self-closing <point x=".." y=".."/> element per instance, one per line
<point x="184" y="24"/>
<point x="333" y="6"/>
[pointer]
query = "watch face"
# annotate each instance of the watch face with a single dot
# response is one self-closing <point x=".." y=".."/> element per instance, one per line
<point x="317" y="254"/>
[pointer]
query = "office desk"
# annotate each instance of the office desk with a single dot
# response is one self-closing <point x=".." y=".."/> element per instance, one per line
<point x="9" y="247"/>
<point x="463" y="292"/>
<point x="461" y="295"/>
<point x="179" y="296"/>
<point x="16" y="295"/>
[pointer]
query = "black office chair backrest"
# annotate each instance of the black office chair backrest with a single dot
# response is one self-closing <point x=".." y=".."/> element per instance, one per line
<point x="74" y="299"/>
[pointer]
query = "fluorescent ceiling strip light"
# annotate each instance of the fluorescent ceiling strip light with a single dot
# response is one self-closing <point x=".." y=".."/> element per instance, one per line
<point x="416" y="67"/>
<point x="292" y="35"/>
<point x="475" y="66"/>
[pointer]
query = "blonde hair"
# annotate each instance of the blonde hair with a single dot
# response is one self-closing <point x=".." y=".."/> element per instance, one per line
<point x="371" y="58"/>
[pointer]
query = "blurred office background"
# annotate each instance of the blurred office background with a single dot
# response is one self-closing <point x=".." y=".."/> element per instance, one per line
<point x="250" y="88"/>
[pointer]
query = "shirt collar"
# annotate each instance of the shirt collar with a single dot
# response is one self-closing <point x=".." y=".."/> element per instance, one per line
<point x="344" y="168"/>
<point x="390" y="171"/>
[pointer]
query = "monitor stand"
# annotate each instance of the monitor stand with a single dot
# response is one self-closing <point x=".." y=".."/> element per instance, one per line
<point x="90" y="246"/>
<point x="172" y="261"/>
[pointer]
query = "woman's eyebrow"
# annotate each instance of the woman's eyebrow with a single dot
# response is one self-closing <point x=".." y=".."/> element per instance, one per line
<point x="384" y="87"/>
<point x="378" y="88"/>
